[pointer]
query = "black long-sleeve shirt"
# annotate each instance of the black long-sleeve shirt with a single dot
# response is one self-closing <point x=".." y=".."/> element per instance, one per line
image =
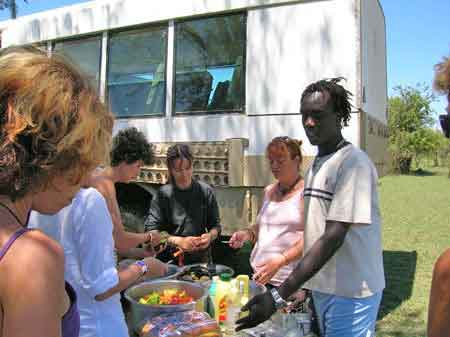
<point x="190" y="212"/>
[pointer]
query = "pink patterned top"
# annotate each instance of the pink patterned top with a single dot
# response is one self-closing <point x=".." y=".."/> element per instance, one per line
<point x="279" y="225"/>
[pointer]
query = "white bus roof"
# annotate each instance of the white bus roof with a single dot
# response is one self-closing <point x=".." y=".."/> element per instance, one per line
<point x="96" y="16"/>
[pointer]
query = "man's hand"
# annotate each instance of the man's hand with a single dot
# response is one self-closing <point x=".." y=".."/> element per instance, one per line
<point x="266" y="270"/>
<point x="260" y="308"/>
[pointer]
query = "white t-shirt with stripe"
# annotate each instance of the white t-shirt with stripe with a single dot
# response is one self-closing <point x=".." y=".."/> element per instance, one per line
<point x="342" y="187"/>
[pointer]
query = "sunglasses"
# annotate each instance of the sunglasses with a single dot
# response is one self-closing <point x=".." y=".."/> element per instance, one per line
<point x="445" y="124"/>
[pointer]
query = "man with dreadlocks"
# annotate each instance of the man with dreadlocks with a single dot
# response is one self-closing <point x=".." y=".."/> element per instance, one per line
<point x="342" y="262"/>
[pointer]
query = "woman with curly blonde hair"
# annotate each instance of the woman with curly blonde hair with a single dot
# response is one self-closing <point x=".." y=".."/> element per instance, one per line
<point x="53" y="131"/>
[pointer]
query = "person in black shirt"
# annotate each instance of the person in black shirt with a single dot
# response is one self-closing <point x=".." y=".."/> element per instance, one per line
<point x="185" y="208"/>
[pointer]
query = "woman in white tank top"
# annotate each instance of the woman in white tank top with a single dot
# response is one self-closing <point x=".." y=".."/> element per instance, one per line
<point x="278" y="232"/>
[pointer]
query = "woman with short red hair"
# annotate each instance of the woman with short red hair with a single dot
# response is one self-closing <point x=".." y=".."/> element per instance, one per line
<point x="278" y="232"/>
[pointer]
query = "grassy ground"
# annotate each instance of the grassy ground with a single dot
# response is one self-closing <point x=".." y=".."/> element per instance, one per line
<point x="416" y="229"/>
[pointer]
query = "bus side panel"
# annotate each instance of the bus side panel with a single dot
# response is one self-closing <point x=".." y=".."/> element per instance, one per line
<point x="289" y="47"/>
<point x="374" y="81"/>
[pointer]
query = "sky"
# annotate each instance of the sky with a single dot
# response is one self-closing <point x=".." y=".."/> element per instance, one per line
<point x="418" y="36"/>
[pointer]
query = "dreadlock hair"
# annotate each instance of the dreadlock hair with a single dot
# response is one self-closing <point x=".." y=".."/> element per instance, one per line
<point x="339" y="96"/>
<point x="177" y="151"/>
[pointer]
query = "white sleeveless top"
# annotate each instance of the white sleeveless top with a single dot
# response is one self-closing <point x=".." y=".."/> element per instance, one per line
<point x="280" y="225"/>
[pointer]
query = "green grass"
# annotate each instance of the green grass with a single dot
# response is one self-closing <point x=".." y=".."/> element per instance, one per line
<point x="416" y="229"/>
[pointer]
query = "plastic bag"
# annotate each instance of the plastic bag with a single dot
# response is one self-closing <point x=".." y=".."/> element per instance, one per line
<point x="181" y="324"/>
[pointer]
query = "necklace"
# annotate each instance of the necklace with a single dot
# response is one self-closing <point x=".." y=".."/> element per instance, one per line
<point x="285" y="191"/>
<point x="12" y="213"/>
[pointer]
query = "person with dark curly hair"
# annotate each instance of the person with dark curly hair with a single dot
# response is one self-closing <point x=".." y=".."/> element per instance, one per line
<point x="185" y="208"/>
<point x="342" y="262"/>
<point x="439" y="305"/>
<point x="54" y="131"/>
<point x="130" y="150"/>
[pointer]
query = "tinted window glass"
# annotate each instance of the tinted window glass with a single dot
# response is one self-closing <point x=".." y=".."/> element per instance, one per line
<point x="85" y="53"/>
<point x="209" y="64"/>
<point x="136" y="72"/>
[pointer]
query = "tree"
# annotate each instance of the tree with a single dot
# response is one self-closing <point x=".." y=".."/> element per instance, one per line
<point x="11" y="5"/>
<point x="410" y="117"/>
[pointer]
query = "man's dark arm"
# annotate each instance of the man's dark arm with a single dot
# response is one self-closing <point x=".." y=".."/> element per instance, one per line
<point x="319" y="254"/>
<point x="262" y="306"/>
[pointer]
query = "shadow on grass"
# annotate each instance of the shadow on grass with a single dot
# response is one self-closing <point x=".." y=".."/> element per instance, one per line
<point x="400" y="270"/>
<point x="423" y="173"/>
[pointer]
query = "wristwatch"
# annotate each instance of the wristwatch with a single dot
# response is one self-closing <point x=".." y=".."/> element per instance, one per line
<point x="143" y="266"/>
<point x="280" y="303"/>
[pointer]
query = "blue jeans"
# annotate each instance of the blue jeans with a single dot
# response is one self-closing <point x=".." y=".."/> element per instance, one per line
<point x="346" y="317"/>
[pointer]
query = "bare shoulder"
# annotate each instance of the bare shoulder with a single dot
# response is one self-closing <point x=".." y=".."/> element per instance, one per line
<point x="104" y="185"/>
<point x="35" y="245"/>
<point x="34" y="254"/>
<point x="34" y="279"/>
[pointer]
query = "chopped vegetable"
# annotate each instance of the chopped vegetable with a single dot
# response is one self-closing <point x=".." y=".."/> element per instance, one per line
<point x="168" y="296"/>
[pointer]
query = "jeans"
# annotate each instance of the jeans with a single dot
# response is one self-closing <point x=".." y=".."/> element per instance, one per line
<point x="346" y="317"/>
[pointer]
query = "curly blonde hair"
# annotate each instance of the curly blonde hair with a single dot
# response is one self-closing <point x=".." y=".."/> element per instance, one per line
<point x="52" y="122"/>
<point x="442" y="77"/>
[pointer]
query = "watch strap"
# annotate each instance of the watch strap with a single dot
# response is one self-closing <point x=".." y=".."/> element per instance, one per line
<point x="279" y="301"/>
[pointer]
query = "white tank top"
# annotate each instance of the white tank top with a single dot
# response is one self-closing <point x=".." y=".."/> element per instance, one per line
<point x="280" y="225"/>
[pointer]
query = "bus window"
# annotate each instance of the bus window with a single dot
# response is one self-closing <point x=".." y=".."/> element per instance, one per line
<point x="85" y="53"/>
<point x="136" y="72"/>
<point x="209" y="64"/>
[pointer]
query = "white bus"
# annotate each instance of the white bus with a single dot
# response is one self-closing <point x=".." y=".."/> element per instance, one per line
<point x="223" y="75"/>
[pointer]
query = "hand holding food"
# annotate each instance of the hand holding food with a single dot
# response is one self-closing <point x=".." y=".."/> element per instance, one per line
<point x="238" y="238"/>
<point x="187" y="244"/>
<point x="159" y="241"/>
<point x="203" y="241"/>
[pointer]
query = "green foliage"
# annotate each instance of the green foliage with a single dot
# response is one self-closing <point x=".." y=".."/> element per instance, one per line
<point x="410" y="121"/>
